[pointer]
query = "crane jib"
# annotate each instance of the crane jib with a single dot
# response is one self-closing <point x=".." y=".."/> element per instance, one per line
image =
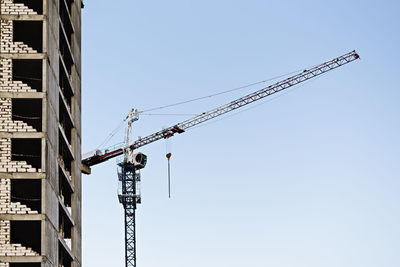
<point x="238" y="103"/>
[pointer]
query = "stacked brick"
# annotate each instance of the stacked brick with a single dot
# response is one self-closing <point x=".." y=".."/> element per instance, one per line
<point x="16" y="250"/>
<point x="7" y="249"/>
<point x="9" y="8"/>
<point x="6" y="205"/>
<point x="6" y="82"/>
<point x="16" y="47"/>
<point x="7" y="165"/>
<point x="6" y="40"/>
<point x="6" y="122"/>
<point x="8" y="46"/>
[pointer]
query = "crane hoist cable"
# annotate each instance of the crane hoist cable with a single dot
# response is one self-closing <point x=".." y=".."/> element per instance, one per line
<point x="168" y="155"/>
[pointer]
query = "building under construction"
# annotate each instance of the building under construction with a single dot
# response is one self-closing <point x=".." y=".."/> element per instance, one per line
<point x="40" y="133"/>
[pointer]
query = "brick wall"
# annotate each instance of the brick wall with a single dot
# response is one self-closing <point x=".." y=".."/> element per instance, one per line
<point x="6" y="40"/>
<point x="7" y="84"/>
<point x="6" y="122"/>
<point x="9" y="207"/>
<point x="7" y="165"/>
<point x="7" y="249"/>
<point x="9" y="8"/>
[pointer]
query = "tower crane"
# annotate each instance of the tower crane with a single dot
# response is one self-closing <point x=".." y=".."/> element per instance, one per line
<point x="129" y="168"/>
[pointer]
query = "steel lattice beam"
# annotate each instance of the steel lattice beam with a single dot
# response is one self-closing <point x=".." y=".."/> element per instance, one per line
<point x="128" y="199"/>
<point x="248" y="99"/>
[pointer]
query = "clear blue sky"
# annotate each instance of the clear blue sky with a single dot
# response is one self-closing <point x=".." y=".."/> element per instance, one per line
<point x="309" y="179"/>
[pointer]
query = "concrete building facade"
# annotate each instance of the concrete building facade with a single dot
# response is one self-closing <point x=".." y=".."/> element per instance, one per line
<point x="40" y="133"/>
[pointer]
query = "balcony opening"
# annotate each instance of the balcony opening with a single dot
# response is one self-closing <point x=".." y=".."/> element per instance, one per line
<point x="29" y="33"/>
<point x="29" y="71"/>
<point x="28" y="111"/>
<point x="64" y="258"/>
<point x="28" y="192"/>
<point x="65" y="156"/>
<point x="66" y="99"/>
<point x="69" y="5"/>
<point x="65" y="85"/>
<point x="66" y="19"/>
<point x="65" y="121"/>
<point x="26" y="233"/>
<point x="65" y="73"/>
<point x="65" y="227"/>
<point x="28" y="150"/>
<point x="65" y="190"/>
<point x="36" y="5"/>
<point x="65" y="50"/>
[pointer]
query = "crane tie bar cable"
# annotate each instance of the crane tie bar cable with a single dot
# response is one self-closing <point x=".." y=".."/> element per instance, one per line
<point x="250" y="98"/>
<point x="233" y="105"/>
<point x="220" y="93"/>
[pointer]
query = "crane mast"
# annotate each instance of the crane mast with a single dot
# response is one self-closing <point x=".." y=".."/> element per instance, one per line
<point x="128" y="176"/>
<point x="128" y="168"/>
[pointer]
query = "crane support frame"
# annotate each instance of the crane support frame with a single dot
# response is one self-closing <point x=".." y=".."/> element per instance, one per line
<point x="127" y="173"/>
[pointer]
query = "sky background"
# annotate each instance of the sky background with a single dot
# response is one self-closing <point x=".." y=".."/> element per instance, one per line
<point x="308" y="179"/>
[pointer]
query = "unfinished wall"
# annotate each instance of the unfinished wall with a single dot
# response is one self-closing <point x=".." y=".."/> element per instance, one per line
<point x="40" y="168"/>
<point x="6" y="40"/>
<point x="7" y="84"/>
<point x="7" y="249"/>
<point x="8" y="165"/>
<point x="9" y="8"/>
<point x="6" y="122"/>
<point x="6" y="205"/>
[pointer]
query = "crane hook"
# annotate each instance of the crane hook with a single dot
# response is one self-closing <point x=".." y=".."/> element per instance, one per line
<point x="168" y="155"/>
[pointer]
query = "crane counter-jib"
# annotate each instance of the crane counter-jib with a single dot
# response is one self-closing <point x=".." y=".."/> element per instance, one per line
<point x="99" y="156"/>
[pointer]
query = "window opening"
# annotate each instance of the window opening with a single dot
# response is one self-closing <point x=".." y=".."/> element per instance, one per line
<point x="29" y="71"/>
<point x="28" y="150"/>
<point x="28" y="234"/>
<point x="28" y="192"/>
<point x="28" y="111"/>
<point x="36" y="5"/>
<point x="29" y="33"/>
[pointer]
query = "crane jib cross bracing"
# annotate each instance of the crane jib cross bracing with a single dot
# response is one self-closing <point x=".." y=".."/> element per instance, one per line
<point x="100" y="156"/>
